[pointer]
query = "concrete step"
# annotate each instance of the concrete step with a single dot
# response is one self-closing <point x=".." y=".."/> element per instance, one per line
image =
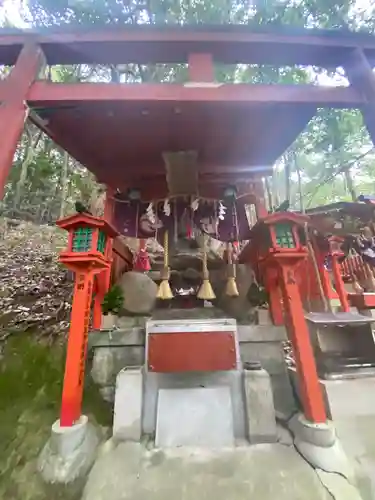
<point x="260" y="472"/>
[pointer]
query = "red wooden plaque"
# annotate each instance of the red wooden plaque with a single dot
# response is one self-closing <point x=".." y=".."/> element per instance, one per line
<point x="362" y="301"/>
<point x="191" y="351"/>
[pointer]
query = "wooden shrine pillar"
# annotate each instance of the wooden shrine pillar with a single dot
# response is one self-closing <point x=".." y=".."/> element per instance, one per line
<point x="275" y="298"/>
<point x="325" y="279"/>
<point x="103" y="280"/>
<point x="336" y="252"/>
<point x="328" y="290"/>
<point x="13" y="108"/>
<point x="359" y="73"/>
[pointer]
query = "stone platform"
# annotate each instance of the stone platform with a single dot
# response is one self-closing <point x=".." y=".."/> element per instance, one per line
<point x="351" y="407"/>
<point x="129" y="471"/>
<point x="125" y="347"/>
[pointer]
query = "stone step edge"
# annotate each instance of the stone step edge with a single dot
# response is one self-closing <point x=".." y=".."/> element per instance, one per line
<point x="132" y="337"/>
<point x="136" y="336"/>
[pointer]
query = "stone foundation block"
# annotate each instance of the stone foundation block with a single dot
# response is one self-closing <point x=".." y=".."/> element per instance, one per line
<point x="260" y="408"/>
<point x="103" y="366"/>
<point x="69" y="453"/>
<point x="127" y="420"/>
<point x="319" y="445"/>
<point x="317" y="434"/>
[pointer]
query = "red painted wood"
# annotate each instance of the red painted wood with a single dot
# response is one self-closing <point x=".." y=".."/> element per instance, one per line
<point x="328" y="289"/>
<point x="201" y="67"/>
<point x="362" y="301"/>
<point x="339" y="284"/>
<point x="226" y="136"/>
<point x="360" y="74"/>
<point x="210" y="185"/>
<point x="13" y="111"/>
<point x="191" y="351"/>
<point x="275" y="300"/>
<point x="311" y="393"/>
<point x="76" y="351"/>
<point x="230" y="45"/>
<point x="92" y="259"/>
<point x="84" y="219"/>
<point x="234" y="93"/>
<point x="288" y="265"/>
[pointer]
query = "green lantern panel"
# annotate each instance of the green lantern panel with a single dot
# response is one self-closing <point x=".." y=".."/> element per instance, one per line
<point x="101" y="242"/>
<point x="82" y="237"/>
<point x="284" y="236"/>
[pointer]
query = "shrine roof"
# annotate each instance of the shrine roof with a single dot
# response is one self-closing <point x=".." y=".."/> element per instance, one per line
<point x="361" y="210"/>
<point x="229" y="44"/>
<point x="122" y="142"/>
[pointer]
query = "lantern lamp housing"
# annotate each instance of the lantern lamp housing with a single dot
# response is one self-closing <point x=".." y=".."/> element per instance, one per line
<point x="88" y="242"/>
<point x="279" y="233"/>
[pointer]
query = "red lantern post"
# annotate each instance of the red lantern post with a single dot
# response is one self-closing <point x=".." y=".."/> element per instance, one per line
<point x="278" y="241"/>
<point x="88" y="253"/>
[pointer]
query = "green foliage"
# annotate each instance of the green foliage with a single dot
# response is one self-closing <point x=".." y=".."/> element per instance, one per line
<point x="113" y="300"/>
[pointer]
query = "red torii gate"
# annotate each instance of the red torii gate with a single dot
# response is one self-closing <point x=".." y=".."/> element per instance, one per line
<point x="239" y="130"/>
<point x="198" y="47"/>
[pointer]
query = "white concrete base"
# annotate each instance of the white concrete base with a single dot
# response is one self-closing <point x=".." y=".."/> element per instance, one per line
<point x="260" y="409"/>
<point x="69" y="453"/>
<point x="154" y="382"/>
<point x="319" y="445"/>
<point x="127" y="420"/>
<point x="318" y="434"/>
<point x="199" y="417"/>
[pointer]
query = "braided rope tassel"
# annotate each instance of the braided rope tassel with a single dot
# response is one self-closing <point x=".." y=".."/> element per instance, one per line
<point x="164" y="291"/>
<point x="231" y="287"/>
<point x="205" y="292"/>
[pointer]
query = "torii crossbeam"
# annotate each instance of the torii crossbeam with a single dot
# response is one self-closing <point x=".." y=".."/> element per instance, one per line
<point x="238" y="130"/>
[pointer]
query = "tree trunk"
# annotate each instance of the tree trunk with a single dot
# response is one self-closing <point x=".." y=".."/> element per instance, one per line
<point x="350" y="183"/>
<point x="269" y="193"/>
<point x="300" y="194"/>
<point x="288" y="169"/>
<point x="275" y="189"/>
<point x="29" y="156"/>
<point x="64" y="184"/>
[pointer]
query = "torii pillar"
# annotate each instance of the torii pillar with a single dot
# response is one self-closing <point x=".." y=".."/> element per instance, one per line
<point x="359" y="73"/>
<point x="13" y="109"/>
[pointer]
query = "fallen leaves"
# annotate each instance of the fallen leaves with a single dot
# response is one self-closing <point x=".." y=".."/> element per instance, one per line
<point x="35" y="290"/>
